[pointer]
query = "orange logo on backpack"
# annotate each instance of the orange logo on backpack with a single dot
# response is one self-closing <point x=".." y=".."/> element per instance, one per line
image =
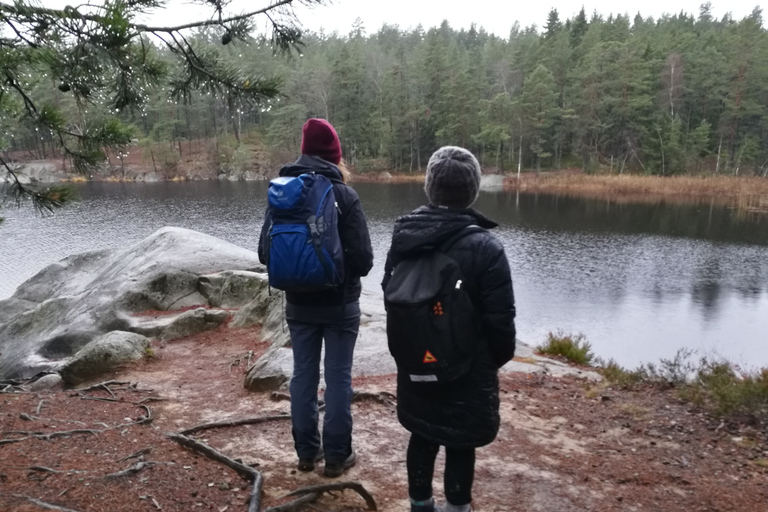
<point x="429" y="358"/>
<point x="437" y="309"/>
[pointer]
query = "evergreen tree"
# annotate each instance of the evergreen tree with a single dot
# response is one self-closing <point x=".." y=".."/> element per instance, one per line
<point x="106" y="62"/>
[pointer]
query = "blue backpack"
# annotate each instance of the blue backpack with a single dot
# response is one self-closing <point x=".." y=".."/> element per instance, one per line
<point x="304" y="249"/>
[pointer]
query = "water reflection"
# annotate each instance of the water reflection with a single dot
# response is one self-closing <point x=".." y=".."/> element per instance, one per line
<point x="639" y="281"/>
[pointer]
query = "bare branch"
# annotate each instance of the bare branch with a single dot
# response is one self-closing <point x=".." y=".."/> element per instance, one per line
<point x="217" y="22"/>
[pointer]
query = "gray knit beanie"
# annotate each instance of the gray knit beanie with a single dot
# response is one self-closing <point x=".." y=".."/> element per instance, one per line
<point x="453" y="178"/>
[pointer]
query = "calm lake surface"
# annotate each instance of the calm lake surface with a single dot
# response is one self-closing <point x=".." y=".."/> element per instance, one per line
<point x="639" y="281"/>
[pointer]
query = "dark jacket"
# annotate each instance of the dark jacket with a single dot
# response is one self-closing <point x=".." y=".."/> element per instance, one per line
<point x="464" y="412"/>
<point x="353" y="231"/>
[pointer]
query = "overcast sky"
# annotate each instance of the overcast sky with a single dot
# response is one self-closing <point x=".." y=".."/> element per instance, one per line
<point x="496" y="16"/>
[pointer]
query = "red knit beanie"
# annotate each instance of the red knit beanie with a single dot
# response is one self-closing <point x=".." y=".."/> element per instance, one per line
<point x="318" y="138"/>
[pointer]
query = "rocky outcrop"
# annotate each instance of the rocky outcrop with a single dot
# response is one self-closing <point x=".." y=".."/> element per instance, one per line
<point x="92" y="311"/>
<point x="68" y="305"/>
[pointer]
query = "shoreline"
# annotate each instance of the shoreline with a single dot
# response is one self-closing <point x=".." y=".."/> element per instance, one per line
<point x="748" y="194"/>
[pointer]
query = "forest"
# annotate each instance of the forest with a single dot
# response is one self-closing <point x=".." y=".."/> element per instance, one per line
<point x="681" y="94"/>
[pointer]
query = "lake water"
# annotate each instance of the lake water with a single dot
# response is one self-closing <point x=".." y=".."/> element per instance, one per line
<point x="639" y="281"/>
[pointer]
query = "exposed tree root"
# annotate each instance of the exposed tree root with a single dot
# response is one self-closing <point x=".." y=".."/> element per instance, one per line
<point x="312" y="493"/>
<point x="141" y="420"/>
<point x="234" y="423"/>
<point x="42" y="504"/>
<point x="247" y="472"/>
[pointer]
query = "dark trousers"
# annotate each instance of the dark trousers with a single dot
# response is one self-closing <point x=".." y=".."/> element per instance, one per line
<point x="309" y="326"/>
<point x="459" y="471"/>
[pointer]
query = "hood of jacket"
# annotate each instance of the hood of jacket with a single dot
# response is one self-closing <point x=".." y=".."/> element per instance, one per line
<point x="309" y="163"/>
<point x="427" y="227"/>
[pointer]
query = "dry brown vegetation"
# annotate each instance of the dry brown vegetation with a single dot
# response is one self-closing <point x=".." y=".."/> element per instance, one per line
<point x="749" y="194"/>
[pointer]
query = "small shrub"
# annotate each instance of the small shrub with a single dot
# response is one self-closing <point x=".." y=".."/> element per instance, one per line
<point x="620" y="376"/>
<point x="729" y="392"/>
<point x="573" y="348"/>
<point x="149" y="353"/>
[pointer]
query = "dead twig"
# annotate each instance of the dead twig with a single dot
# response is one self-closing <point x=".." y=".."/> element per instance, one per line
<point x="105" y="384"/>
<point x="39" y="407"/>
<point x="234" y="423"/>
<point x="340" y="486"/>
<point x="108" y="390"/>
<point x="140" y="453"/>
<point x="237" y="360"/>
<point x="29" y="417"/>
<point x="131" y="470"/>
<point x="241" y="469"/>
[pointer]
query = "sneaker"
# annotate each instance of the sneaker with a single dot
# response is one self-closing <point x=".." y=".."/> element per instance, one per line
<point x="336" y="470"/>
<point x="307" y="465"/>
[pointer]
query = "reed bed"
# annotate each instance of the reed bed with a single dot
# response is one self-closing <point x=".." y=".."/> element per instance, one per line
<point x="747" y="194"/>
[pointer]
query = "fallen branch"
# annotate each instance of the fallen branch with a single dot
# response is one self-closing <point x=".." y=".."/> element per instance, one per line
<point x="39" y="407"/>
<point x="340" y="486"/>
<point x="234" y="423"/>
<point x="241" y="469"/>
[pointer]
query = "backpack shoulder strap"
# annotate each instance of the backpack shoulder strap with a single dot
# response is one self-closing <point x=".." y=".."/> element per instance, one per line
<point x="472" y="228"/>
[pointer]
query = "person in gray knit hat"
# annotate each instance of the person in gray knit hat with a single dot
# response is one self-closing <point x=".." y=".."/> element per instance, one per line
<point x="453" y="178"/>
<point x="462" y="414"/>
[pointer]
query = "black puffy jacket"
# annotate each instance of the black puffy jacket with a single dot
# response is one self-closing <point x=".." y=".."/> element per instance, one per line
<point x="464" y="412"/>
<point x="353" y="231"/>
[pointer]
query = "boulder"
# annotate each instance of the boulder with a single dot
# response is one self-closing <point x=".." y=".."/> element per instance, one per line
<point x="272" y="371"/>
<point x="46" y="382"/>
<point x="71" y="303"/>
<point x="275" y="367"/>
<point x="104" y="354"/>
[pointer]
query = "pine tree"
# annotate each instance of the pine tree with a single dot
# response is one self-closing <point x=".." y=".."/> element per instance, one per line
<point x="107" y="62"/>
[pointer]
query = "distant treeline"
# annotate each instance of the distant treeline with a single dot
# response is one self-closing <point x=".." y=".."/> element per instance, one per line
<point x="679" y="94"/>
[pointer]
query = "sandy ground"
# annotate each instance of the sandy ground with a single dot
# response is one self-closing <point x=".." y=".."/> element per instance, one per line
<point x="564" y="445"/>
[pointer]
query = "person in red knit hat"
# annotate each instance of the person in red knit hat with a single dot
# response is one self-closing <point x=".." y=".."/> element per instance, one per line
<point x="330" y="316"/>
<point x="318" y="138"/>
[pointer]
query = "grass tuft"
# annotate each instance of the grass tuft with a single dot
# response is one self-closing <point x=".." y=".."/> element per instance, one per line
<point x="574" y="348"/>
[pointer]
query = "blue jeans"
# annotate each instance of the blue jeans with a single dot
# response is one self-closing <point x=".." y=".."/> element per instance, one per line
<point x="308" y="325"/>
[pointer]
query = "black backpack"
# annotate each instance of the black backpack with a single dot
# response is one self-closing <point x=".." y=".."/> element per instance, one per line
<point x="431" y="325"/>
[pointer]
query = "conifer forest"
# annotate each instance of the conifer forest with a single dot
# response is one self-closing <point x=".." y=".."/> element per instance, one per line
<point x="681" y="94"/>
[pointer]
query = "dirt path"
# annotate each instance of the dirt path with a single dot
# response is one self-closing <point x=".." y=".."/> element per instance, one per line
<point x="564" y="445"/>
